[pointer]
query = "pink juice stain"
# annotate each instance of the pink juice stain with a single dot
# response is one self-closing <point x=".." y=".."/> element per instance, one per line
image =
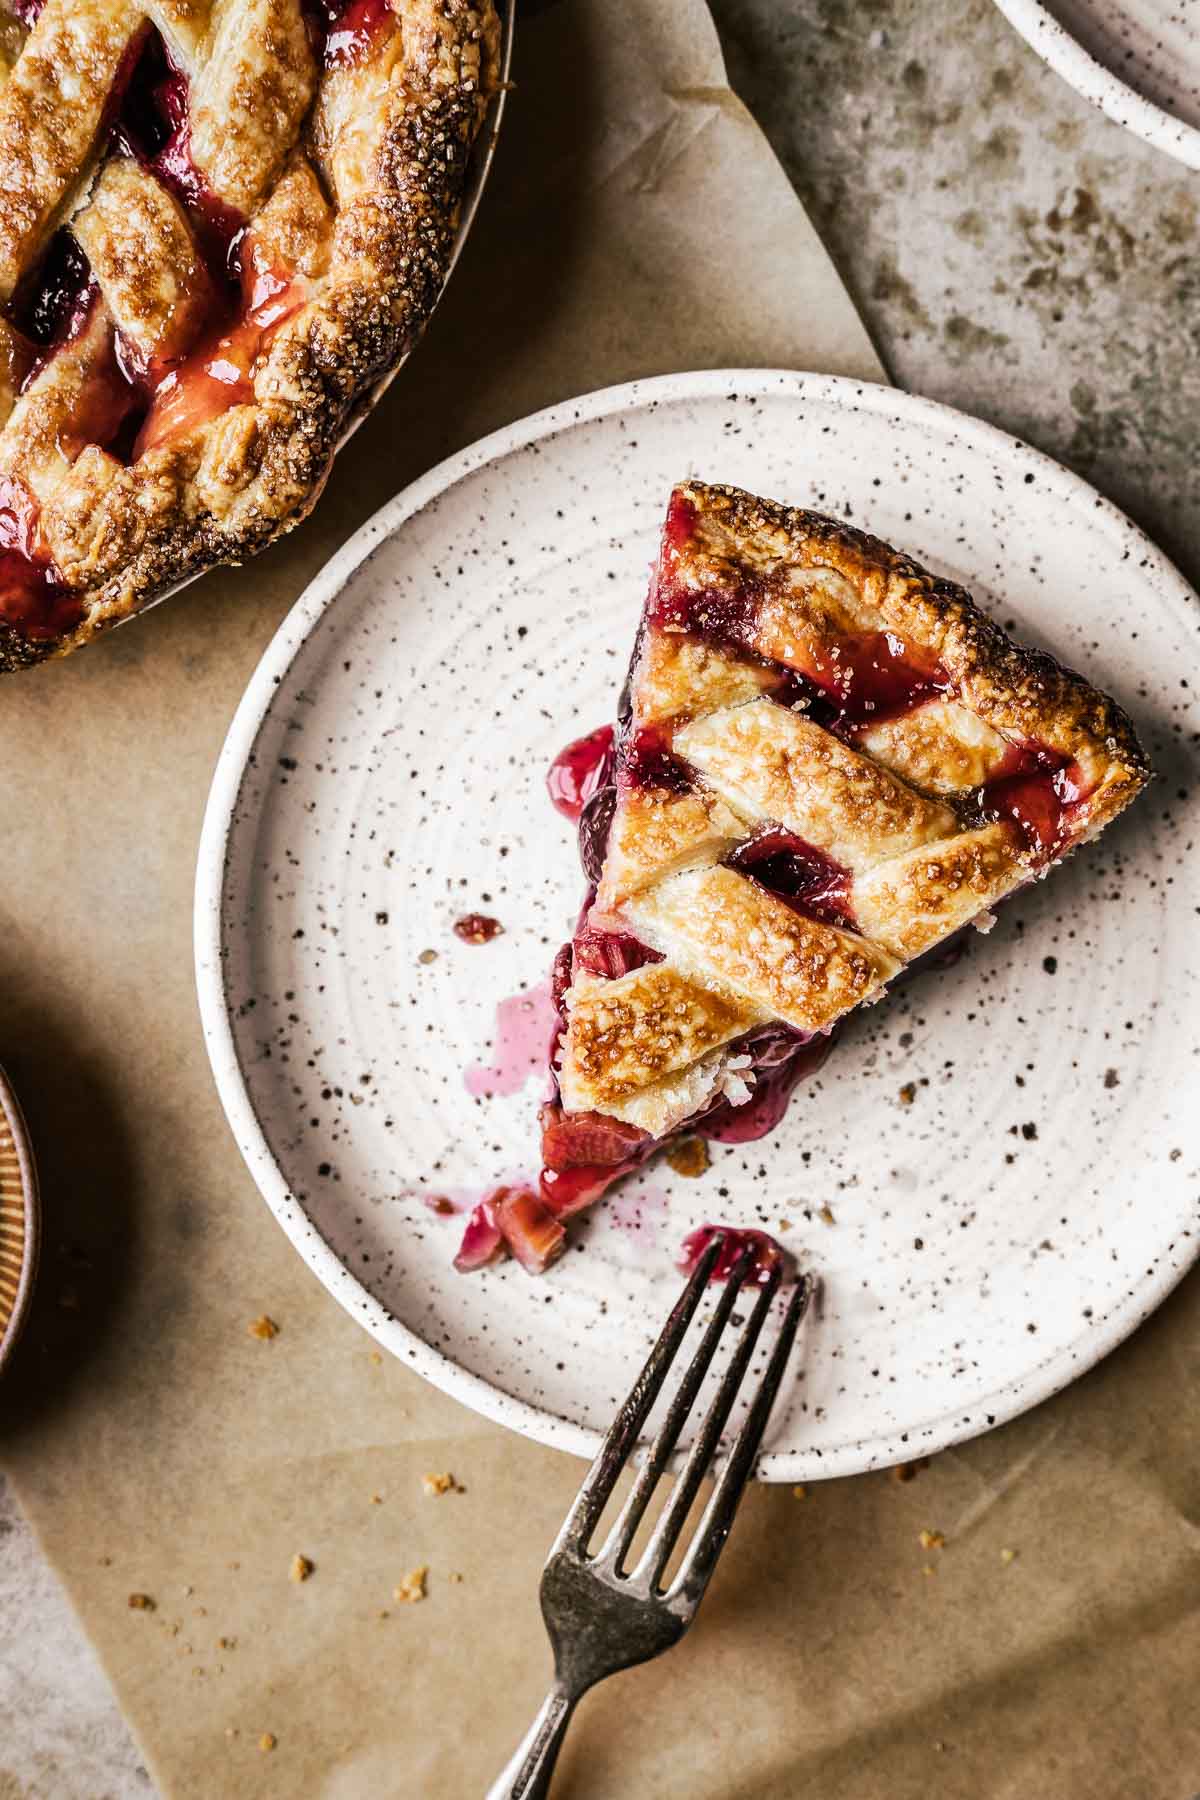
<point x="639" y="1212"/>
<point x="525" y="1024"/>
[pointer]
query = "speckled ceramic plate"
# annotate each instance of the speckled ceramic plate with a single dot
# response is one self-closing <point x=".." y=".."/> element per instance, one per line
<point x="18" y="1220"/>
<point x="1007" y="1150"/>
<point x="1137" y="60"/>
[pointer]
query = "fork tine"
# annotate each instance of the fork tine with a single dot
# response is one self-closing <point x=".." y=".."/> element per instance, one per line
<point x="624" y="1530"/>
<point x="666" y="1533"/>
<point x="600" y="1479"/>
<point x="701" y="1558"/>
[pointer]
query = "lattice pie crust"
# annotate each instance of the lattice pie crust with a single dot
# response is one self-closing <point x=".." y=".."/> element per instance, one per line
<point x="221" y="222"/>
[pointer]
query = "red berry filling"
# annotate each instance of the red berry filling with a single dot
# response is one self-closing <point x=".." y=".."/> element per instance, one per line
<point x="511" y="1221"/>
<point x="580" y="771"/>
<point x="1042" y="792"/>
<point x="766" y="1254"/>
<point x="802" y="876"/>
<point x="345" y="31"/>
<point x="33" y="596"/>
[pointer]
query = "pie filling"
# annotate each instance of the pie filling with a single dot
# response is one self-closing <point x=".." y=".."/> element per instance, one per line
<point x="129" y="407"/>
<point x="766" y="1254"/>
<point x="718" y="745"/>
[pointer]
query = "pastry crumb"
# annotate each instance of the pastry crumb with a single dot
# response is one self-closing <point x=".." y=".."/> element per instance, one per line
<point x="825" y="1214"/>
<point x="455" y="1577"/>
<point x="143" y="1603"/>
<point x="267" y="1741"/>
<point x="411" y="1587"/>
<point x="1008" y="1556"/>
<point x="376" y="1356"/>
<point x="263" y="1327"/>
<point x="376" y="1499"/>
<point x="427" y="957"/>
<point x="929" y="1569"/>
<point x="908" y="1093"/>
<point x="908" y="1471"/>
<point x="477" y="928"/>
<point x="689" y="1156"/>
<point x="932" y="1540"/>
<point x="799" y="1493"/>
<point x="440" y="1484"/>
<point x="302" y="1567"/>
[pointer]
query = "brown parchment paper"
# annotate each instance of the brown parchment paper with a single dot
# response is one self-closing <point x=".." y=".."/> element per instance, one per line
<point x="636" y="223"/>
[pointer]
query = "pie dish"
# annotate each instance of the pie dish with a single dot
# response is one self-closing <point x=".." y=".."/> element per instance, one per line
<point x="827" y="762"/>
<point x="20" y="1220"/>
<point x="221" y="223"/>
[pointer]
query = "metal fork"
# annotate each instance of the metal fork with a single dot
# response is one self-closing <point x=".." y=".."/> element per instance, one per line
<point x="601" y="1617"/>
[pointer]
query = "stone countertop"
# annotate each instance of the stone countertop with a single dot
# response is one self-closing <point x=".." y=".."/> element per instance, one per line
<point x="1012" y="251"/>
<point x="1013" y="254"/>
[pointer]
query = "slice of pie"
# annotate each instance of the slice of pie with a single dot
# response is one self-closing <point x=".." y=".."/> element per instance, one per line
<point x="222" y="222"/>
<point x="827" y="762"/>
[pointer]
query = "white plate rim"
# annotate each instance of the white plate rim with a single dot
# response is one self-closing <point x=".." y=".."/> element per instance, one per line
<point x="1049" y="1377"/>
<point x="1063" y="53"/>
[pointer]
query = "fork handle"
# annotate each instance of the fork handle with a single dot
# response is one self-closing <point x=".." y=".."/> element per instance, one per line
<point x="527" y="1775"/>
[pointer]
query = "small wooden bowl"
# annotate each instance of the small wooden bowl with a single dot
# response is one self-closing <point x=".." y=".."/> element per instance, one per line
<point x="20" y="1217"/>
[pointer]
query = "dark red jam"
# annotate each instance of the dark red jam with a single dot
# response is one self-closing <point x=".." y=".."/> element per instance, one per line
<point x="344" y="32"/>
<point x="33" y="596"/>
<point x="53" y="309"/>
<point x="580" y="771"/>
<point x="802" y="876"/>
<point x="26" y="10"/>
<point x="680" y="527"/>
<point x="873" y="677"/>
<point x="611" y="954"/>
<point x="595" y="824"/>
<point x="477" y="928"/>
<point x="1042" y="793"/>
<point x="766" y="1254"/>
<point x="649" y="763"/>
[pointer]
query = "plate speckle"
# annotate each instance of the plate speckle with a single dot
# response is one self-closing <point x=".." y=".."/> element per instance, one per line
<point x="995" y="1173"/>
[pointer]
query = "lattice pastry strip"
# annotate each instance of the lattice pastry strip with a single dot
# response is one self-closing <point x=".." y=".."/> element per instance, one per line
<point x="831" y="762"/>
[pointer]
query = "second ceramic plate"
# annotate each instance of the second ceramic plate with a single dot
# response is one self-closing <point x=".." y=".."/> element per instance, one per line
<point x="1137" y="60"/>
<point x="995" y="1173"/>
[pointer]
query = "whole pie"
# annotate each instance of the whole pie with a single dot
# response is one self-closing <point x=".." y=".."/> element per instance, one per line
<point x="827" y="762"/>
<point x="221" y="223"/>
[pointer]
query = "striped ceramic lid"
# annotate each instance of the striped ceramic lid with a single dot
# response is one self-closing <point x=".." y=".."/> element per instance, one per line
<point x="18" y="1218"/>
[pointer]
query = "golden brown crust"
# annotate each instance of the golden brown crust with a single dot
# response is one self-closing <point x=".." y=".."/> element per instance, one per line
<point x="905" y="826"/>
<point x="389" y="137"/>
<point x="1022" y="693"/>
<point x="656" y="834"/>
<point x="627" y="1034"/>
<point x="796" y="969"/>
<point x="942" y="746"/>
<point x="682" y="677"/>
<point x="914" y="901"/>
<point x="770" y="763"/>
